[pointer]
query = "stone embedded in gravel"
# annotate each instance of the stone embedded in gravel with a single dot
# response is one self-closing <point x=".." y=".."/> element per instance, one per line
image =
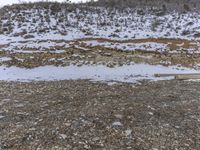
<point x="118" y="116"/>
<point x="107" y="54"/>
<point x="67" y="124"/>
<point x="150" y="113"/>
<point x="1" y="117"/>
<point x="128" y="132"/>
<point x="86" y="146"/>
<point x="115" y="124"/>
<point x="95" y="139"/>
<point x="63" y="136"/>
<point x="19" y="105"/>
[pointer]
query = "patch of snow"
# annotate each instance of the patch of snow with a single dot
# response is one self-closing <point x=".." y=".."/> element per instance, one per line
<point x="34" y="45"/>
<point x="25" y="51"/>
<point x="144" y="46"/>
<point x="58" y="51"/>
<point x="147" y="46"/>
<point x="2" y="59"/>
<point x="127" y="73"/>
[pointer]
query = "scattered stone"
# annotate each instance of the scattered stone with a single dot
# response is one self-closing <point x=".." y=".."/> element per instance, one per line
<point x="128" y="132"/>
<point x="1" y="117"/>
<point x="28" y="36"/>
<point x="63" y="136"/>
<point x="117" y="124"/>
<point x="107" y="54"/>
<point x="118" y="116"/>
<point x="150" y="113"/>
<point x="96" y="139"/>
<point x="67" y="124"/>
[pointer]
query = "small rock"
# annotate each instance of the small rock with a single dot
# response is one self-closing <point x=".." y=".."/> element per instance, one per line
<point x="117" y="124"/>
<point x="107" y="54"/>
<point x="1" y="117"/>
<point x="95" y="138"/>
<point x="67" y="124"/>
<point x="19" y="105"/>
<point x="86" y="147"/>
<point x="128" y="132"/>
<point x="28" y="36"/>
<point x="110" y="65"/>
<point x="63" y="136"/>
<point x="118" y="116"/>
<point x="150" y="113"/>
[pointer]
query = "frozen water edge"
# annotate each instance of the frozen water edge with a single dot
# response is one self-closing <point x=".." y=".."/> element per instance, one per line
<point x="127" y="73"/>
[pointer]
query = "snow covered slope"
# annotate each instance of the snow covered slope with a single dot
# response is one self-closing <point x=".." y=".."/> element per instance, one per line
<point x="40" y="23"/>
<point x="110" y="38"/>
<point x="24" y="28"/>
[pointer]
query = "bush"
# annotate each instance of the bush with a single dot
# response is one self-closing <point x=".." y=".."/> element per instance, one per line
<point x="186" y="7"/>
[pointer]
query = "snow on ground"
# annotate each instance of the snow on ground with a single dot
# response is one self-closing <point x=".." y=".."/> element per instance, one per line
<point x="127" y="73"/>
<point x="147" y="46"/>
<point x="29" y="26"/>
<point x="99" y="23"/>
<point x="37" y="45"/>
<point x="2" y="59"/>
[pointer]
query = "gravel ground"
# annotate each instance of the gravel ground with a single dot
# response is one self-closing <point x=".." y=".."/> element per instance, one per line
<point x="87" y="115"/>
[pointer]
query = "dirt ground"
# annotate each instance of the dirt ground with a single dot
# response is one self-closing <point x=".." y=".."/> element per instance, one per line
<point x="86" y="115"/>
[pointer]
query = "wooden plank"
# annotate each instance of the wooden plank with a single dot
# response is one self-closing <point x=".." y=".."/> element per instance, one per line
<point x="187" y="76"/>
<point x="180" y="76"/>
<point x="164" y="75"/>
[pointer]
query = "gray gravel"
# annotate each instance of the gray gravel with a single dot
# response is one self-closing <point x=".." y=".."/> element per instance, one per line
<point x="86" y="115"/>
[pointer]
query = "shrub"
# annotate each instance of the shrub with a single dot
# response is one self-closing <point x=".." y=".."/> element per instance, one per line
<point x="186" y="7"/>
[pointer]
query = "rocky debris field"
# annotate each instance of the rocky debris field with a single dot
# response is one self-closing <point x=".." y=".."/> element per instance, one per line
<point x="86" y="115"/>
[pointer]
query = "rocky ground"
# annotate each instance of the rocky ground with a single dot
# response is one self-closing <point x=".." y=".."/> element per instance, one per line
<point x="87" y="115"/>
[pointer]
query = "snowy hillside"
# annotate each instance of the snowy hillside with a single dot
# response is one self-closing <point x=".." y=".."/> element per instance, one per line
<point x="98" y="22"/>
<point x="25" y="24"/>
<point x="33" y="36"/>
